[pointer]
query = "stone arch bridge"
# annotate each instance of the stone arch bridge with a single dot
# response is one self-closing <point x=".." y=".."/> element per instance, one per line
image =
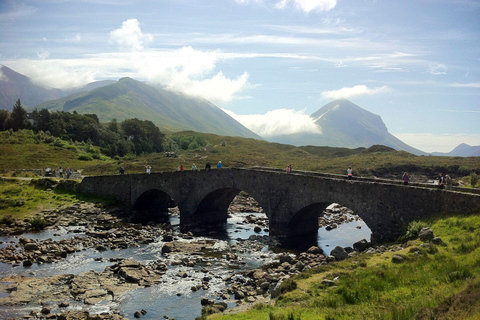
<point x="291" y="201"/>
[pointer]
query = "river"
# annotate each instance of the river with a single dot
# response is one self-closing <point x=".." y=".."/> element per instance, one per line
<point x="172" y="296"/>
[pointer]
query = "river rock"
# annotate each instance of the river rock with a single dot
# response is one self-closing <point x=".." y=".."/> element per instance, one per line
<point x="239" y="295"/>
<point x="315" y="250"/>
<point x="426" y="234"/>
<point x="398" y="258"/>
<point x="361" y="245"/>
<point x="27" y="263"/>
<point x="339" y="253"/>
<point x="328" y="283"/>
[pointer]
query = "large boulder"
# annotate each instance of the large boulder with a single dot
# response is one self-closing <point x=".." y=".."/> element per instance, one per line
<point x="361" y="245"/>
<point x="339" y="253"/>
<point x="426" y="234"/>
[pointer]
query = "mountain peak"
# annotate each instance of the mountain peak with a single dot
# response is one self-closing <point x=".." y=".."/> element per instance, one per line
<point x="345" y="124"/>
<point x="126" y="79"/>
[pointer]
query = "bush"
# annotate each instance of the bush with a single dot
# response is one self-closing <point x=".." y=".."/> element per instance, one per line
<point x="7" y="220"/>
<point x="38" y="223"/>
<point x="130" y="156"/>
<point x="473" y="179"/>
<point x="85" y="157"/>
<point x="288" y="285"/>
<point x="414" y="229"/>
<point x="464" y="170"/>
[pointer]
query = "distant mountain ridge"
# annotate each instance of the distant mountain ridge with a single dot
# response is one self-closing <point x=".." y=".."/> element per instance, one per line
<point x="14" y="86"/>
<point x="129" y="98"/>
<point x="344" y="124"/>
<point x="462" y="150"/>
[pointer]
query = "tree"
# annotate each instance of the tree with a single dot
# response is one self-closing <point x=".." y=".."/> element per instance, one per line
<point x="18" y="118"/>
<point x="3" y="117"/>
<point x="144" y="134"/>
<point x="41" y="120"/>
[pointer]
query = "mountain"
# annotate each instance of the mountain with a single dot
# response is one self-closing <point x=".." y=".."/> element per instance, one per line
<point x="462" y="150"/>
<point x="344" y="124"/>
<point x="14" y="86"/>
<point x="128" y="98"/>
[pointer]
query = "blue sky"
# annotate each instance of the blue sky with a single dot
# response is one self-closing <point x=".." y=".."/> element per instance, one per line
<point x="269" y="63"/>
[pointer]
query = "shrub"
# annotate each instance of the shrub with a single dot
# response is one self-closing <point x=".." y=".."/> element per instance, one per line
<point x="58" y="143"/>
<point x="414" y="229"/>
<point x="7" y="220"/>
<point x="85" y="157"/>
<point x="473" y="179"/>
<point x="464" y="170"/>
<point x="288" y="285"/>
<point x="129" y="156"/>
<point x="38" y="223"/>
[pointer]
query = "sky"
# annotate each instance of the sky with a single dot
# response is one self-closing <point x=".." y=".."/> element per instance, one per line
<point x="269" y="63"/>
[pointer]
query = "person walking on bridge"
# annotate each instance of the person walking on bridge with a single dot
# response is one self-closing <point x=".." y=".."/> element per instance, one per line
<point x="448" y="182"/>
<point x="350" y="173"/>
<point x="406" y="178"/>
<point x="219" y="165"/>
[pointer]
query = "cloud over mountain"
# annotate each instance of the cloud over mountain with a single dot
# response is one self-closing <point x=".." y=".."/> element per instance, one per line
<point x="185" y="69"/>
<point x="130" y="36"/>
<point x="278" y="122"/>
<point x="356" y="91"/>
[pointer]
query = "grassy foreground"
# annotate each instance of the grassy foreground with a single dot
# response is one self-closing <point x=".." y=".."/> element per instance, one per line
<point x="23" y="199"/>
<point x="433" y="282"/>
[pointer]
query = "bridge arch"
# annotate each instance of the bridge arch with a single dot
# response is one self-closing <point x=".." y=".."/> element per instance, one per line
<point x="305" y="221"/>
<point x="213" y="208"/>
<point x="153" y="204"/>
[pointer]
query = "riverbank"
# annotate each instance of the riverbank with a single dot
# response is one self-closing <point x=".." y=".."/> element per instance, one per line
<point x="434" y="277"/>
<point x="92" y="262"/>
<point x="90" y="258"/>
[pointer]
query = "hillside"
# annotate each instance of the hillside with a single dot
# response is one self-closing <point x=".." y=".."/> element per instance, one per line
<point x="171" y="111"/>
<point x="22" y="150"/>
<point x="462" y="150"/>
<point x="344" y="124"/>
<point x="14" y="86"/>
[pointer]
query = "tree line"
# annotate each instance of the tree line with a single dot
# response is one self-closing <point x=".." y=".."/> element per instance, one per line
<point x="114" y="138"/>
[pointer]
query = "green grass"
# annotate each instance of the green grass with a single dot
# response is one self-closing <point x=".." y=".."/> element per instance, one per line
<point x="441" y="282"/>
<point x="21" y="199"/>
<point x="23" y="150"/>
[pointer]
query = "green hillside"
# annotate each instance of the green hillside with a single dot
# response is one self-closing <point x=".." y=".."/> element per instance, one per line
<point x="128" y="98"/>
<point x="21" y="150"/>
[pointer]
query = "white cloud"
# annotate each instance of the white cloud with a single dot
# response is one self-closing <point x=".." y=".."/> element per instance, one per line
<point x="130" y="36"/>
<point x="42" y="55"/>
<point x="308" y="5"/>
<point x="277" y="122"/>
<point x="437" y="69"/>
<point x="185" y="70"/>
<point x="2" y="76"/>
<point x="359" y="90"/>
<point x="430" y="142"/>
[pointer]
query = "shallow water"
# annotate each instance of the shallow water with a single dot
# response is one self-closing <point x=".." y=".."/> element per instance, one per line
<point x="172" y="297"/>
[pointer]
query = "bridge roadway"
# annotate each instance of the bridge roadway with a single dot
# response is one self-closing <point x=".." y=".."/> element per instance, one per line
<point x="291" y="201"/>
